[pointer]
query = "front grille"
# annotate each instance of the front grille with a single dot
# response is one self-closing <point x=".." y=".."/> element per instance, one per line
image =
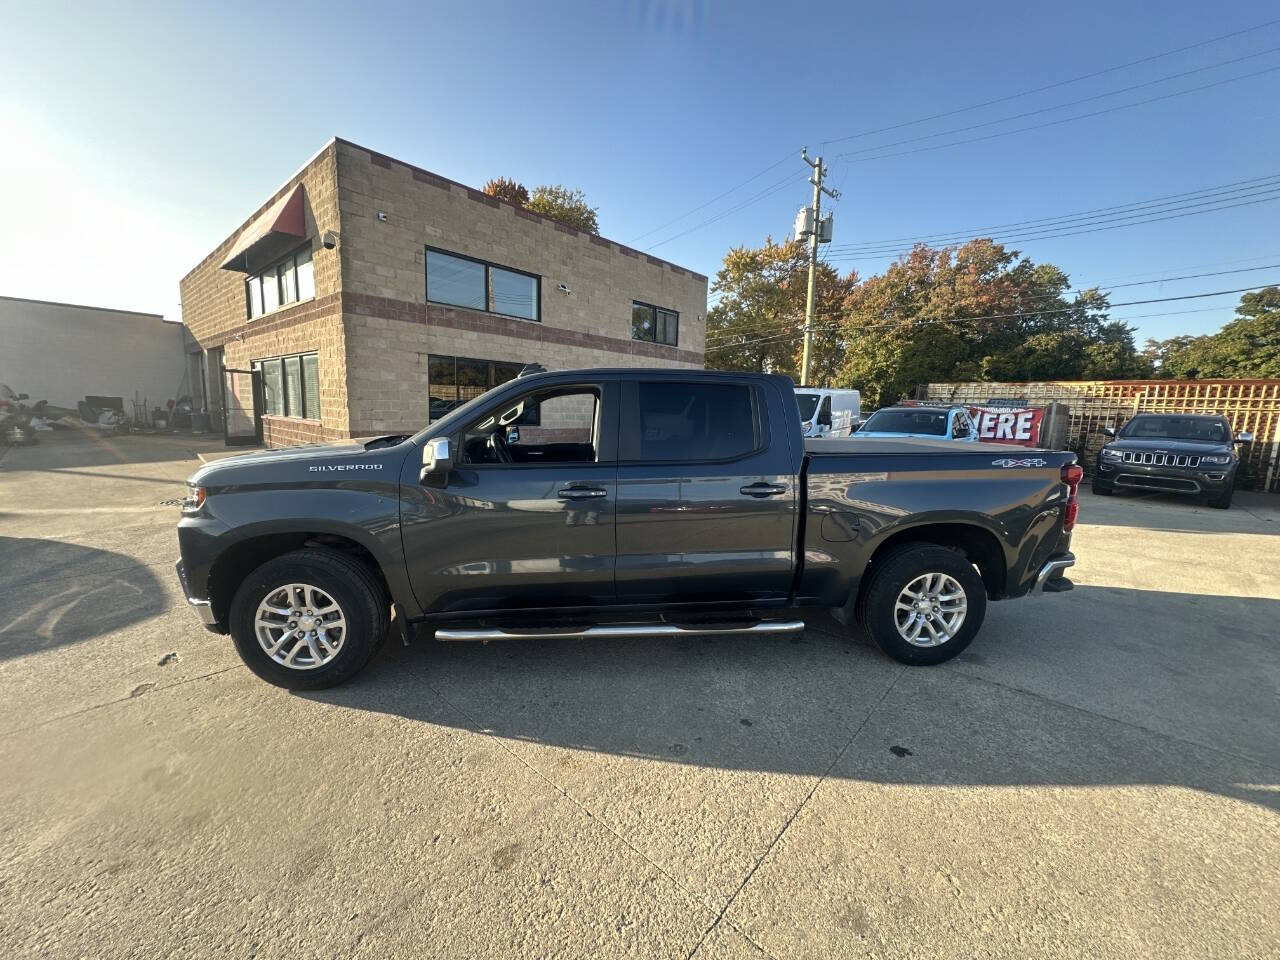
<point x="1176" y="484"/>
<point x="1160" y="459"/>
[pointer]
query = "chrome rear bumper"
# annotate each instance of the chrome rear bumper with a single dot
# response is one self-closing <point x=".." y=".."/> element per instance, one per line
<point x="1052" y="569"/>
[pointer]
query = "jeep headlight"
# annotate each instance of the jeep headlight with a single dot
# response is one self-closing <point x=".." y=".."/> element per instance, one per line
<point x="1109" y="454"/>
<point x="1217" y="459"/>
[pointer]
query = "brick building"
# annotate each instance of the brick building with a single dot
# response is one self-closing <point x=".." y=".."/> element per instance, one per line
<point x="372" y="296"/>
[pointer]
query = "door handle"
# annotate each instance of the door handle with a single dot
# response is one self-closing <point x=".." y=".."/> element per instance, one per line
<point x="581" y="493"/>
<point x="762" y="489"/>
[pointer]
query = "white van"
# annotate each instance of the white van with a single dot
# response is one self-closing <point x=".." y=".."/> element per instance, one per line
<point x="828" y="413"/>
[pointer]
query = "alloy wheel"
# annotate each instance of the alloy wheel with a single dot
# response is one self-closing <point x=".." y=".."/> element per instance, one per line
<point x="300" y="626"/>
<point x="930" y="610"/>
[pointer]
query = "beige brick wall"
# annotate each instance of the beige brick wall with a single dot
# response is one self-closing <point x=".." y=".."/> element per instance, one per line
<point x="214" y="309"/>
<point x="391" y="330"/>
<point x="370" y="322"/>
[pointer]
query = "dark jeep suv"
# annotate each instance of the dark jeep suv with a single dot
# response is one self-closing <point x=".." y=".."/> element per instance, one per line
<point x="1172" y="453"/>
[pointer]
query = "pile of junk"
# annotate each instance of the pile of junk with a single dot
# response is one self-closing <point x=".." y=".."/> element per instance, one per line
<point x="21" y="421"/>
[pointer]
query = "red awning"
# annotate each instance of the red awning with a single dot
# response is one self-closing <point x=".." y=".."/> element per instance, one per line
<point x="271" y="234"/>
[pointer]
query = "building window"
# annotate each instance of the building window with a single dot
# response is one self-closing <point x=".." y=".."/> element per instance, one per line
<point x="478" y="285"/>
<point x="655" y="324"/>
<point x="286" y="281"/>
<point x="452" y="381"/>
<point x="291" y="386"/>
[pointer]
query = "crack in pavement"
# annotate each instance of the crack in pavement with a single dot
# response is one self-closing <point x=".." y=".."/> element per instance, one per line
<point x="136" y="694"/>
<point x="591" y="815"/>
<point x="791" y="819"/>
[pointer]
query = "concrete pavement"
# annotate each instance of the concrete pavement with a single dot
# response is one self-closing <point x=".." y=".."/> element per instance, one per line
<point x="1099" y="775"/>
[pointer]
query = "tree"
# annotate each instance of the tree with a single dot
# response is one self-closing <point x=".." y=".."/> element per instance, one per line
<point x="976" y="311"/>
<point x="511" y="191"/>
<point x="1248" y="346"/>
<point x="567" y="206"/>
<point x="758" y="322"/>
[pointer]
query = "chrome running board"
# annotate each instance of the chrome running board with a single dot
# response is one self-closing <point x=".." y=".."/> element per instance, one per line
<point x="613" y="631"/>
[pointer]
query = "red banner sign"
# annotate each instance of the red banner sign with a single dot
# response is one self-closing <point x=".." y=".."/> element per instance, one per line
<point x="1003" y="425"/>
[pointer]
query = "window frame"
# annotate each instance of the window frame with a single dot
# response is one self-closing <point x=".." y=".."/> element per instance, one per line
<point x="272" y="270"/>
<point x="629" y="426"/>
<point x="606" y="445"/>
<point x="260" y="365"/>
<point x="654" y="310"/>
<point x="489" y="267"/>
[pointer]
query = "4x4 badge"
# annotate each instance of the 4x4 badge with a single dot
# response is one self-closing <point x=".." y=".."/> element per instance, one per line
<point x="1033" y="462"/>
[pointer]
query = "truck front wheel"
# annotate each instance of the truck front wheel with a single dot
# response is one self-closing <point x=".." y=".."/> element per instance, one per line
<point x="923" y="604"/>
<point x="308" y="619"/>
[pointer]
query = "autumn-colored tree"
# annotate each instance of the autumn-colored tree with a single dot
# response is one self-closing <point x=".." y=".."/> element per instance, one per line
<point x="567" y="206"/>
<point x="511" y="191"/>
<point x="758" y="321"/>
<point x="975" y="312"/>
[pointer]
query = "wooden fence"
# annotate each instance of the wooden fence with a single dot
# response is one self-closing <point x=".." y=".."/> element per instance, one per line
<point x="1248" y="405"/>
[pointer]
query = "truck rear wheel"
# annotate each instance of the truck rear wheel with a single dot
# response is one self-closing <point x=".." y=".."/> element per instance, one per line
<point x="923" y="604"/>
<point x="308" y="619"/>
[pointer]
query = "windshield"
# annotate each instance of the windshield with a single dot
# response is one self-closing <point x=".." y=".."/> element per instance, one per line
<point x="1177" y="428"/>
<point x="907" y="420"/>
<point x="808" y="402"/>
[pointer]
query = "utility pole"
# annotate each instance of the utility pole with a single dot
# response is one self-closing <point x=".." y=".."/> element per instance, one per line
<point x="818" y="233"/>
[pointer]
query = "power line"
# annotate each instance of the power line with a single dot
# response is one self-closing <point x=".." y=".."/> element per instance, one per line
<point x="1053" y="86"/>
<point x="1232" y="187"/>
<point x="948" y="113"/>
<point x="721" y="196"/>
<point x="1069" y="103"/>
<point x="767" y="192"/>
<point x="1096" y="229"/>
<point x="764" y="324"/>
<point x="1011" y="316"/>
<point x="1052" y="123"/>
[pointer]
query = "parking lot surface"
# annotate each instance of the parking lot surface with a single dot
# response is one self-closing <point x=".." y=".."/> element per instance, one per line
<point x="1097" y="776"/>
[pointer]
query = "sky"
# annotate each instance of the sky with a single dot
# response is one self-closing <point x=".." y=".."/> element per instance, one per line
<point x="136" y="137"/>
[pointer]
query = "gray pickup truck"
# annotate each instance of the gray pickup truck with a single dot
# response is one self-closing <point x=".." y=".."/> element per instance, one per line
<point x="616" y="503"/>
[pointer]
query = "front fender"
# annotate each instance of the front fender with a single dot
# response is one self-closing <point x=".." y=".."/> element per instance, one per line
<point x="364" y="512"/>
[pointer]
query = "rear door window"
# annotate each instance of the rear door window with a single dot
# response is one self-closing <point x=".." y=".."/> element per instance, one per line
<point x="694" y="422"/>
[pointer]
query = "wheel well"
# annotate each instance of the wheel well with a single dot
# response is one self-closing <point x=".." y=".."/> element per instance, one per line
<point x="240" y="559"/>
<point x="980" y="547"/>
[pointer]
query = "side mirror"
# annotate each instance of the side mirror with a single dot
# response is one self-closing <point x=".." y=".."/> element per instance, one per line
<point x="1244" y="437"/>
<point x="824" y="419"/>
<point x="513" y="434"/>
<point x="436" y="457"/>
<point x="1109" y="431"/>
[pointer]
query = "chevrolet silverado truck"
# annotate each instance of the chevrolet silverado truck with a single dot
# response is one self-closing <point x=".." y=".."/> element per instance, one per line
<point x="616" y="503"/>
<point x="1191" y="453"/>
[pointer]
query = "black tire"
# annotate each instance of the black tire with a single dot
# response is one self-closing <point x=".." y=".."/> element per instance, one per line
<point x="348" y="581"/>
<point x="891" y="573"/>
<point x="1223" y="501"/>
<point x="1102" y="489"/>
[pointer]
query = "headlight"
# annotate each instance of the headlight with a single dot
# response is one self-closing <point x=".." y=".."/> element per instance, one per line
<point x="194" y="499"/>
<point x="1109" y="454"/>
<point x="807" y="425"/>
<point x="1218" y="458"/>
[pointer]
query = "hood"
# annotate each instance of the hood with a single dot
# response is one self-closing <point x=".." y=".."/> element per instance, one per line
<point x="1167" y="445"/>
<point x="886" y="435"/>
<point x="229" y="469"/>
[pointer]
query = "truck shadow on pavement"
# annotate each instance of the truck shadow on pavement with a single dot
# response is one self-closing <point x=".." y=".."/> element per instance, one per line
<point x="55" y="593"/>
<point x="1109" y="687"/>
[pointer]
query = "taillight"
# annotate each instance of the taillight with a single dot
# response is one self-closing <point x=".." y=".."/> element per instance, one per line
<point x="1072" y="474"/>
